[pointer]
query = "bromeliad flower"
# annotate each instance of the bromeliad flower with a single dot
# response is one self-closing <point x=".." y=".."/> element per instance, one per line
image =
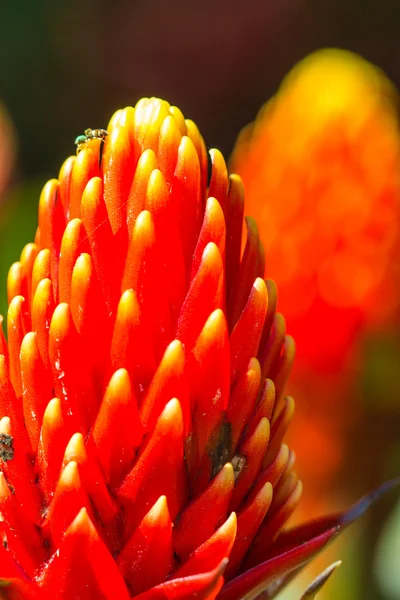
<point x="142" y="384"/>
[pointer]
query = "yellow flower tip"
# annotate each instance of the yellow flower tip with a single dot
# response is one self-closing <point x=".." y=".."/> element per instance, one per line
<point x="159" y="514"/>
<point x="188" y="158"/>
<point x="14" y="280"/>
<point x="14" y="311"/>
<point x="225" y="479"/>
<point x="128" y="307"/>
<point x="212" y="256"/>
<point x="290" y="404"/>
<point x="169" y="133"/>
<point x="41" y="268"/>
<point x="69" y="478"/>
<point x="119" y="381"/>
<point x="266" y="491"/>
<point x="115" y="119"/>
<point x="172" y="416"/>
<point x="296" y="494"/>
<point x="253" y="368"/>
<point x="174" y="354"/>
<point x="82" y="525"/>
<point x="262" y="432"/>
<point x="157" y="191"/>
<point x="52" y="411"/>
<point x="145" y="223"/>
<point x="60" y="320"/>
<point x="29" y="355"/>
<point x="179" y="119"/>
<point x="149" y="115"/>
<point x="66" y="167"/>
<point x="27" y="252"/>
<point x="142" y="242"/>
<point x="82" y="269"/>
<point x="93" y="188"/>
<point x="146" y="165"/>
<point x="216" y="322"/>
<point x="213" y="338"/>
<point x="49" y="191"/>
<point x="5" y="425"/>
<point x="44" y="286"/>
<point x="219" y="183"/>
<point x="231" y="523"/>
<point x="75" y="450"/>
<point x="213" y="210"/>
<point x="127" y="117"/>
<point x="260" y="294"/>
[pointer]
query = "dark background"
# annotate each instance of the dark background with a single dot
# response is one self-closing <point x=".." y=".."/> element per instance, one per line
<point x="65" y="66"/>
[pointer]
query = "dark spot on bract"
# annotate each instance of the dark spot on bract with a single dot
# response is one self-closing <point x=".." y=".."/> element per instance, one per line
<point x="101" y="152"/>
<point x="209" y="168"/>
<point x="220" y="448"/>
<point x="238" y="464"/>
<point x="6" y="447"/>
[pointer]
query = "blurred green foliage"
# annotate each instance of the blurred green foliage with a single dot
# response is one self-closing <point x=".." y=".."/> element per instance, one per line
<point x="386" y="568"/>
<point x="18" y="221"/>
<point x="380" y="381"/>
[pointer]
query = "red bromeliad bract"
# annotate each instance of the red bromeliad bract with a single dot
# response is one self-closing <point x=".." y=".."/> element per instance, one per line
<point x="142" y="384"/>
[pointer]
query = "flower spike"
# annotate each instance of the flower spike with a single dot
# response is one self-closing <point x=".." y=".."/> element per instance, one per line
<point x="142" y="385"/>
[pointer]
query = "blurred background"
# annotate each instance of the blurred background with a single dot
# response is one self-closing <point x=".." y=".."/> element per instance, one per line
<point x="321" y="165"/>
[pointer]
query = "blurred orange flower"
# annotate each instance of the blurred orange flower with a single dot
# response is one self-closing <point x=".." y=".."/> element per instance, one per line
<point x="321" y="168"/>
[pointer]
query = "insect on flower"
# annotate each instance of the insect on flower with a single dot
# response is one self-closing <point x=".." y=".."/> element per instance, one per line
<point x="90" y="134"/>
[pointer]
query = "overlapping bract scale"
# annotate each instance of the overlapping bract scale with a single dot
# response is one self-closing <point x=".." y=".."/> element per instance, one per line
<point x="142" y="383"/>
